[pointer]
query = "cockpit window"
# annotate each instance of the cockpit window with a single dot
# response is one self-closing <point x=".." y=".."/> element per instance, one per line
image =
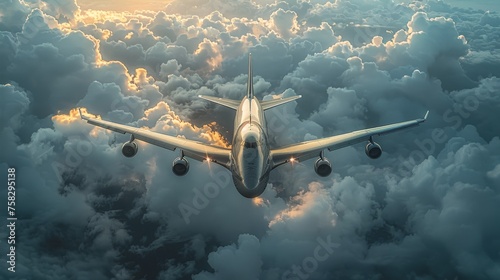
<point x="252" y="145"/>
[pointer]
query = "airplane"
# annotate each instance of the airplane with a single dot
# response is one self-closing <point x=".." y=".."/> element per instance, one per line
<point x="250" y="158"/>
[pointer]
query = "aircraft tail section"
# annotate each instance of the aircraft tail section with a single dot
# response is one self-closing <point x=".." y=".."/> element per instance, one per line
<point x="233" y="104"/>
<point x="268" y="104"/>
<point x="250" y="77"/>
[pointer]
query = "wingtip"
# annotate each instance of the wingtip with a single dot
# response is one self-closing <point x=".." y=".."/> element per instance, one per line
<point x="80" y="111"/>
<point x="426" y="115"/>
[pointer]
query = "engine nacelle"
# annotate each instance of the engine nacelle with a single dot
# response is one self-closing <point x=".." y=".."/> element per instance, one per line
<point x="323" y="167"/>
<point x="180" y="167"/>
<point x="373" y="150"/>
<point x="129" y="149"/>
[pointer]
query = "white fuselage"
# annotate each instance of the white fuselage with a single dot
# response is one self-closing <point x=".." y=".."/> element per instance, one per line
<point x="250" y="163"/>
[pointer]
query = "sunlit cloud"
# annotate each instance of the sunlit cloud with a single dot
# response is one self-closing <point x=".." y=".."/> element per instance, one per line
<point x="358" y="64"/>
<point x="125" y="5"/>
<point x="73" y="116"/>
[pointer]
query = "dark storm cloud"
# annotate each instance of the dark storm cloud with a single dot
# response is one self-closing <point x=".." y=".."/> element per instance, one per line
<point x="13" y="15"/>
<point x="15" y="103"/>
<point x="244" y="262"/>
<point x="422" y="211"/>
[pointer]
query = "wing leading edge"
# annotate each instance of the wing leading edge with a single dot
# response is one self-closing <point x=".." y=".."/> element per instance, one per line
<point x="193" y="149"/>
<point x="309" y="149"/>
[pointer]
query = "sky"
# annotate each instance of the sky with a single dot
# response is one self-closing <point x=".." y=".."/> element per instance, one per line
<point x="427" y="209"/>
<point x="124" y="5"/>
<point x="486" y="5"/>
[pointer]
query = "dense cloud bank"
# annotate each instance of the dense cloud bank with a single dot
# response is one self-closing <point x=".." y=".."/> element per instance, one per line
<point x="426" y="210"/>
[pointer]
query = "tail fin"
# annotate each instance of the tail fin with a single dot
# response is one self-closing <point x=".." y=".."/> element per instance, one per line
<point x="250" y="77"/>
<point x="233" y="104"/>
<point x="250" y="84"/>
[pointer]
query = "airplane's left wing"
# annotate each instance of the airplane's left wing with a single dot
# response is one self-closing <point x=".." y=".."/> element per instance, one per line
<point x="193" y="149"/>
<point x="309" y="149"/>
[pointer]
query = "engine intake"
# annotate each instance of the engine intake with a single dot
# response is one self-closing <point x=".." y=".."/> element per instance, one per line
<point x="180" y="166"/>
<point x="373" y="150"/>
<point x="129" y="149"/>
<point x="323" y="167"/>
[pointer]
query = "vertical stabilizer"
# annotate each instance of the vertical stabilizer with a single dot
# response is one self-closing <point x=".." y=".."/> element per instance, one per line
<point x="250" y="77"/>
<point x="250" y="84"/>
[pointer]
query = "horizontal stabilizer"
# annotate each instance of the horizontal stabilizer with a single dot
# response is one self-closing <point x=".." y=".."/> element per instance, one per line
<point x="268" y="104"/>
<point x="233" y="104"/>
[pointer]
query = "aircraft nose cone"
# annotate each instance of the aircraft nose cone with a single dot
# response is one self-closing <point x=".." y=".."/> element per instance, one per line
<point x="247" y="192"/>
<point x="251" y="182"/>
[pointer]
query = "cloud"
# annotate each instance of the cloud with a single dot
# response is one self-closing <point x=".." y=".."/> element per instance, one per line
<point x="15" y="103"/>
<point x="13" y="15"/>
<point x="89" y="211"/>
<point x="284" y="23"/>
<point x="242" y="261"/>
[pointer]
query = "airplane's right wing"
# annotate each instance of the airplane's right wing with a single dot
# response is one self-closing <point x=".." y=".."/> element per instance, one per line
<point x="309" y="149"/>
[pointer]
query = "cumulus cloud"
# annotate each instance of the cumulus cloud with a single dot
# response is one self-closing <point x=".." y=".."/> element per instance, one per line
<point x="244" y="260"/>
<point x="422" y="211"/>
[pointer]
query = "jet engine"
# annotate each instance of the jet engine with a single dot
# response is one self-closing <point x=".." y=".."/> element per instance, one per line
<point x="129" y="149"/>
<point x="323" y="167"/>
<point x="373" y="150"/>
<point x="180" y="166"/>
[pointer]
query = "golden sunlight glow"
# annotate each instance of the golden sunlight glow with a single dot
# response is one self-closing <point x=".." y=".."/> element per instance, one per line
<point x="122" y="5"/>
<point x="72" y="117"/>
<point x="129" y="35"/>
<point x="214" y="49"/>
<point x="259" y="29"/>
<point x="304" y="204"/>
<point x="95" y="16"/>
<point x="95" y="132"/>
<point x="141" y="77"/>
<point x="215" y="62"/>
<point x="209" y="163"/>
<point x="258" y="201"/>
<point x="213" y="136"/>
<point x="289" y="214"/>
<point x="171" y="120"/>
